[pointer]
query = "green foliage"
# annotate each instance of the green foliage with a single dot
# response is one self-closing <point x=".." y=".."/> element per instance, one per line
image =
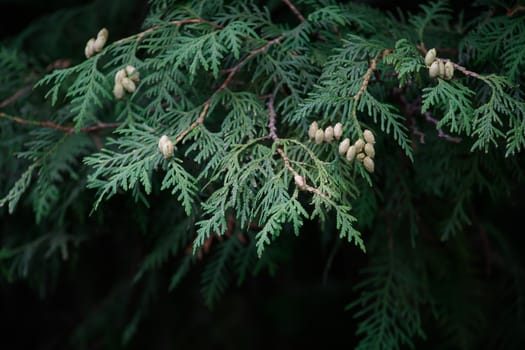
<point x="235" y="85"/>
<point x="389" y="305"/>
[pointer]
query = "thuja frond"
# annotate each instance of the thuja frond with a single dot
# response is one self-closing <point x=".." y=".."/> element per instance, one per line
<point x="217" y="272"/>
<point x="432" y="14"/>
<point x="237" y="190"/>
<point x="341" y="15"/>
<point x="245" y="118"/>
<point x="180" y="181"/>
<point x="87" y="93"/>
<point x="499" y="36"/>
<point x="456" y="99"/>
<point x="489" y="116"/>
<point x="54" y="158"/>
<point x="406" y="60"/>
<point x="60" y="166"/>
<point x="388" y="306"/>
<point x="59" y="77"/>
<point x="276" y="208"/>
<point x="128" y="163"/>
<point x="390" y="120"/>
<point x="168" y="245"/>
<point x="206" y="148"/>
<point x="13" y="70"/>
<point x="19" y="188"/>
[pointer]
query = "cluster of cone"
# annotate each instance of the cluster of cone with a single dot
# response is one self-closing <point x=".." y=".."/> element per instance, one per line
<point x="125" y="80"/>
<point x="438" y="67"/>
<point x="362" y="150"/>
<point x="327" y="135"/>
<point x="96" y="45"/>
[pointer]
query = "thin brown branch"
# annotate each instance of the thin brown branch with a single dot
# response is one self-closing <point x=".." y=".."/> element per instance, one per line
<point x="370" y="70"/>
<point x="417" y="132"/>
<point x="273" y="135"/>
<point x="512" y="11"/>
<point x="67" y="129"/>
<point x="288" y="166"/>
<point x="441" y="133"/>
<point x="294" y="10"/>
<point x="97" y="127"/>
<point x="139" y="36"/>
<point x="273" y="119"/>
<point x="199" y="120"/>
<point x="16" y="95"/>
<point x="466" y="71"/>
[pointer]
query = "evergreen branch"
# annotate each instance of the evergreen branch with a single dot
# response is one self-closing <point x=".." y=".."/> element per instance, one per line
<point x="19" y="188"/>
<point x="415" y="108"/>
<point x="67" y="129"/>
<point x="294" y="10"/>
<point x="225" y="84"/>
<point x="216" y="275"/>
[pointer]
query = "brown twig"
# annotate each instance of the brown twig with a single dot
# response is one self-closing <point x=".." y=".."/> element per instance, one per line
<point x="273" y="119"/>
<point x="294" y="10"/>
<point x="370" y="70"/>
<point x="67" y="129"/>
<point x="16" y="95"/>
<point x="441" y="133"/>
<point x="273" y="135"/>
<point x="512" y="11"/>
<point x="139" y="36"/>
<point x="288" y="166"/>
<point x="417" y="132"/>
<point x="466" y="71"/>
